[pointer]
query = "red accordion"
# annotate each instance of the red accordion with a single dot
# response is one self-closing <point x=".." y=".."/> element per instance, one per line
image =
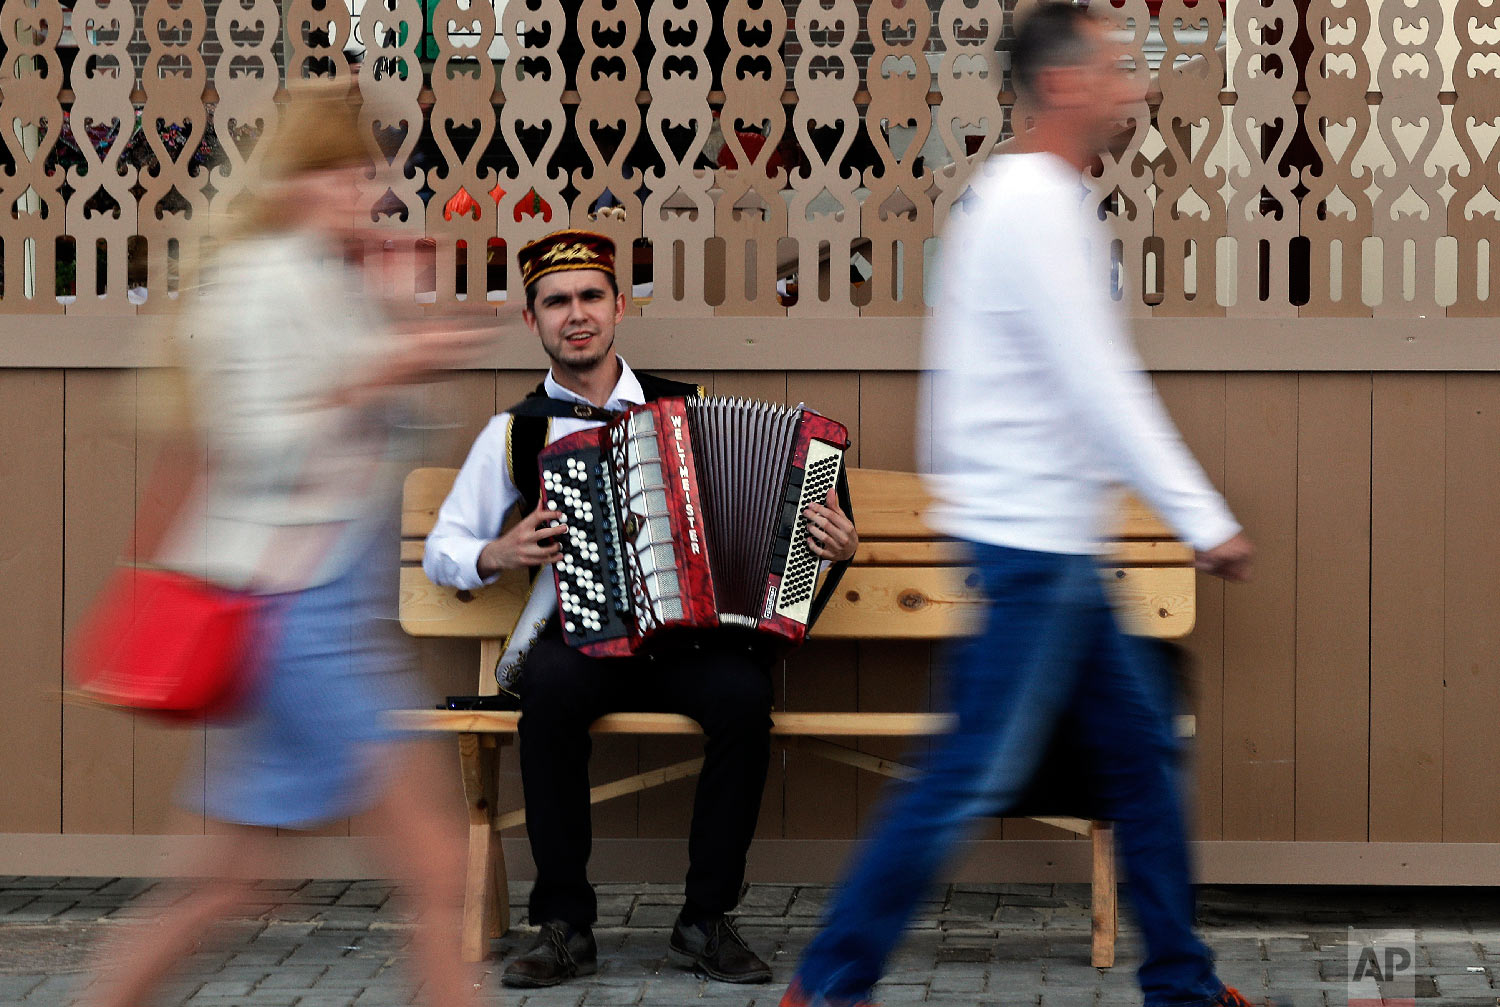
<point x="689" y="513"/>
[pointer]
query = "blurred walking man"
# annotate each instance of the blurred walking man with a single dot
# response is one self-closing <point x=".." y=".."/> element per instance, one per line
<point x="1039" y="408"/>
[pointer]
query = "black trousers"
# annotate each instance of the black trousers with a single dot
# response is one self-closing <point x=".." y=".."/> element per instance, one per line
<point x="721" y="680"/>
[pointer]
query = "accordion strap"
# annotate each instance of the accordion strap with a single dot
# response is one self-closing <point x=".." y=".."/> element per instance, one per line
<point x="539" y="403"/>
<point x="542" y="405"/>
<point x="836" y="571"/>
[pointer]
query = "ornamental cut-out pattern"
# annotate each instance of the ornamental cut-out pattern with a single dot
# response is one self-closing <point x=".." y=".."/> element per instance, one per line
<point x="769" y="158"/>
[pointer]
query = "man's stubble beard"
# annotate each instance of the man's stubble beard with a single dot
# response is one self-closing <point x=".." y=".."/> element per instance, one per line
<point x="583" y="366"/>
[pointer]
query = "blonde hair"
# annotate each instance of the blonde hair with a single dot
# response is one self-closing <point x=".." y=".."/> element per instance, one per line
<point x="319" y="131"/>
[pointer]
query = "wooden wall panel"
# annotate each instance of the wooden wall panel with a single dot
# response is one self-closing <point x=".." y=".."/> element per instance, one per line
<point x="97" y="515"/>
<point x="1333" y="606"/>
<point x="1197" y="405"/>
<point x="892" y="676"/>
<point x="168" y="759"/>
<point x="887" y="414"/>
<point x="768" y="386"/>
<point x="1407" y="487"/>
<point x="819" y="797"/>
<point x="1362" y="660"/>
<point x="513" y="386"/>
<point x="1260" y="476"/>
<point x="834" y="395"/>
<point x="31" y="600"/>
<point x="1471" y="601"/>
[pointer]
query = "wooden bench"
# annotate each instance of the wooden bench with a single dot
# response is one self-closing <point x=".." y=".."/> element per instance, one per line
<point x="906" y="583"/>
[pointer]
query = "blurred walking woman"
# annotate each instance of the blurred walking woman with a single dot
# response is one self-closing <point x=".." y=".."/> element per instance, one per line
<point x="299" y="382"/>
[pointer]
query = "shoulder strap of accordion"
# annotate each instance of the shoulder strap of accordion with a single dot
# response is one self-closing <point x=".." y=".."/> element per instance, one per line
<point x="524" y="440"/>
<point x="541" y="406"/>
<point x="538" y="403"/>
<point x="530" y="427"/>
<point x="836" y="571"/>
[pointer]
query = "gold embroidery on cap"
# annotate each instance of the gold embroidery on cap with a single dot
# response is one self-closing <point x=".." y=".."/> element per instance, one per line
<point x="568" y="253"/>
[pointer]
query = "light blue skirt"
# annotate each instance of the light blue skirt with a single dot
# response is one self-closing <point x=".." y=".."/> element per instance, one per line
<point x="313" y="743"/>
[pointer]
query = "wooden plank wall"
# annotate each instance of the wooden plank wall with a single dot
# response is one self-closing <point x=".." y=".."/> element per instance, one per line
<point x="1347" y="694"/>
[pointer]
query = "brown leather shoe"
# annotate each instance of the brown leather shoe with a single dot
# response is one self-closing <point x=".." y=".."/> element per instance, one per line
<point x="559" y="954"/>
<point x="717" y="950"/>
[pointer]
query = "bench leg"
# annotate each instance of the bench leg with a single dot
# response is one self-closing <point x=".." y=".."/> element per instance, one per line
<point x="499" y="892"/>
<point x="1106" y="915"/>
<point x="485" y="914"/>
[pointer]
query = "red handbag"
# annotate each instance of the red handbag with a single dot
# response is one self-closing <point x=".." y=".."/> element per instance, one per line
<point x="164" y="642"/>
<point x="168" y="644"/>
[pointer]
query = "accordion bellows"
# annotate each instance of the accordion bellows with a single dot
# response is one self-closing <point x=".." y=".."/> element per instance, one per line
<point x="689" y="513"/>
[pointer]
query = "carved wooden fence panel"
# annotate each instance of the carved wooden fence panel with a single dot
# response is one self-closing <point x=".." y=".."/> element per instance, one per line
<point x="780" y="158"/>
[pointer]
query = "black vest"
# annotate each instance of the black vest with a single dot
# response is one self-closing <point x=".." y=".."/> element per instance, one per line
<point x="527" y="434"/>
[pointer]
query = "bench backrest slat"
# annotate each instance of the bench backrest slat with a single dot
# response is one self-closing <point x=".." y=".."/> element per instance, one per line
<point x="907" y="582"/>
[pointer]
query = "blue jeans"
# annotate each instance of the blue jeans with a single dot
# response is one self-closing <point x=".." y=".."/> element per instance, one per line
<point x="1049" y="653"/>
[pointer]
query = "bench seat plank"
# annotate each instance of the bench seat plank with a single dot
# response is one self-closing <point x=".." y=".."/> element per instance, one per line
<point x="945" y="552"/>
<point x="1154" y="601"/>
<point x="831" y="724"/>
<point x="942" y="552"/>
<point x="892" y="504"/>
<point x="854" y="724"/>
<point x="890" y="603"/>
<point x="490" y="613"/>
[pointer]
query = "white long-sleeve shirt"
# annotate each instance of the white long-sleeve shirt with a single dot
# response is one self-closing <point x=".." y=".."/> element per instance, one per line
<point x="1038" y="404"/>
<point x="483" y="492"/>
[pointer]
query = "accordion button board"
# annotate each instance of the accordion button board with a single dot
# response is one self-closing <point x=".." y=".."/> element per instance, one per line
<point x="689" y="514"/>
<point x="591" y="592"/>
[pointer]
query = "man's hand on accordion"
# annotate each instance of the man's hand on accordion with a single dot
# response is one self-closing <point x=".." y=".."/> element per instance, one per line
<point x="830" y="533"/>
<point x="528" y="543"/>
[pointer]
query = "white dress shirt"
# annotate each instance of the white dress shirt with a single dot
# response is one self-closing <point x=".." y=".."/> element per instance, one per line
<point x="483" y="492"/>
<point x="1038" y="405"/>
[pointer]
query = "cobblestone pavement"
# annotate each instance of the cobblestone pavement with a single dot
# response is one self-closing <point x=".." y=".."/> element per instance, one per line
<point x="340" y="943"/>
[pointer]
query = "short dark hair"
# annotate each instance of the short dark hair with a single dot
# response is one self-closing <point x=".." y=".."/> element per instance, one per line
<point x="1054" y="34"/>
<point x="614" y="289"/>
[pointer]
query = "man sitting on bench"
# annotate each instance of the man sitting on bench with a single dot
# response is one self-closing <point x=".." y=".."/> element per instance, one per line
<point x="720" y="678"/>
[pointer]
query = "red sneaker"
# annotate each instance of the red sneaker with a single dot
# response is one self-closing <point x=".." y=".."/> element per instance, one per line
<point x="1232" y="997"/>
<point x="796" y="996"/>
